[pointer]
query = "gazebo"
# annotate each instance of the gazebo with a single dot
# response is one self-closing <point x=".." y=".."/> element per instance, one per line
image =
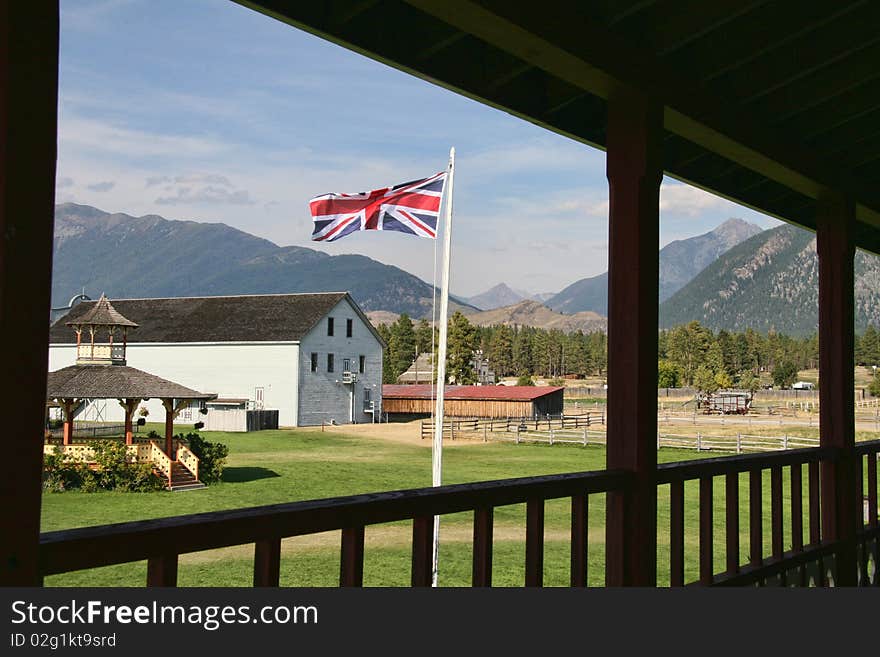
<point x="101" y="372"/>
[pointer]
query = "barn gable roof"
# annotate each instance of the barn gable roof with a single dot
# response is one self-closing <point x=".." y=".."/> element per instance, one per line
<point x="488" y="393"/>
<point x="241" y="318"/>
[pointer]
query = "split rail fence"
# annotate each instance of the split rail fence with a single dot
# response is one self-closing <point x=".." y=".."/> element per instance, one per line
<point x="455" y="426"/>
<point x="575" y="430"/>
<point x="739" y="444"/>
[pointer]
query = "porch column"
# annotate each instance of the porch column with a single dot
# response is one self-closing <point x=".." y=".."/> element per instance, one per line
<point x="634" y="170"/>
<point x="841" y="506"/>
<point x="169" y="426"/>
<point x="129" y="405"/>
<point x="28" y="119"/>
<point x="67" y="406"/>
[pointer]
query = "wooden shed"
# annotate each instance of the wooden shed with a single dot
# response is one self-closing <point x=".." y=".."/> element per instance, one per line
<point x="475" y="401"/>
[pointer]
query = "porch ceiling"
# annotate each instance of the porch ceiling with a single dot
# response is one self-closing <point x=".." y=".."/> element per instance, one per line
<point x="770" y="104"/>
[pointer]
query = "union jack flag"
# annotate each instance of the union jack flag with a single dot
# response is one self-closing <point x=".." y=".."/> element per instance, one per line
<point x="411" y="207"/>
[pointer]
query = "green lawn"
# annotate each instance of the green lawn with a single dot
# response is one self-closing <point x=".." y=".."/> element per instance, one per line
<point x="283" y="466"/>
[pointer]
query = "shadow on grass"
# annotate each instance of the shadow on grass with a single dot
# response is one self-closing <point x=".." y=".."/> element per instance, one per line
<point x="242" y="474"/>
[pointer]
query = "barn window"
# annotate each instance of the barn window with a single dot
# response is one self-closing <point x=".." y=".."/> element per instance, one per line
<point x="349" y="323"/>
<point x="314" y="362"/>
<point x="329" y="362"/>
<point x="329" y="326"/>
<point x="361" y="361"/>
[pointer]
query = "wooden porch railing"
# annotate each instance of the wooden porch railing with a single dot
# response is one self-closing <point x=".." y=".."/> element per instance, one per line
<point x="803" y="564"/>
<point x="265" y="526"/>
<point x="189" y="460"/>
<point x="161" y="541"/>
<point x="160" y="460"/>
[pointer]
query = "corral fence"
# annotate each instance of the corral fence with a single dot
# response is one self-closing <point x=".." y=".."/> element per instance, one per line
<point x="739" y="443"/>
<point x="486" y="426"/>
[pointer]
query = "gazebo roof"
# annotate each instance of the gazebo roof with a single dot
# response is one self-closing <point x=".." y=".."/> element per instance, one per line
<point x="114" y="382"/>
<point x="102" y="314"/>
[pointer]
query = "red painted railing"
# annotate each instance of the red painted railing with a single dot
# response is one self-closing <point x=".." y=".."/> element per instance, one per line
<point x="160" y="541"/>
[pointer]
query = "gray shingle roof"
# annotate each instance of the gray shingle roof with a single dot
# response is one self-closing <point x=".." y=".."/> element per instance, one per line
<point x="114" y="382"/>
<point x="102" y="313"/>
<point x="243" y="318"/>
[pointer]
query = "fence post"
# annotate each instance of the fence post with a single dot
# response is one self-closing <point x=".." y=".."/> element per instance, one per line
<point x="517" y="434"/>
<point x="785" y="441"/>
<point x="485" y="438"/>
<point x="658" y="437"/>
<point x="739" y="443"/>
<point x="551" y="435"/>
<point x="585" y="437"/>
<point x="699" y="441"/>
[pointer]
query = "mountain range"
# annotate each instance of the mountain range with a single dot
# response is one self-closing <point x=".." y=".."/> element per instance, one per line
<point x="680" y="262"/>
<point x="529" y="312"/>
<point x="503" y="295"/>
<point x="765" y="280"/>
<point x="150" y="256"/>
<point x="770" y="281"/>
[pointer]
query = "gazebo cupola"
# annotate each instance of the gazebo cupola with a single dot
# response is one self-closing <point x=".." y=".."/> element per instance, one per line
<point x="102" y="321"/>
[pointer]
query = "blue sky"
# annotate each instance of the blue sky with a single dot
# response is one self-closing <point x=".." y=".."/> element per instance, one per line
<point x="207" y="111"/>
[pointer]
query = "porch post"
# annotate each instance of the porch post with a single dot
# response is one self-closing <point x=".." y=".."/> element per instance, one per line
<point x="67" y="406"/>
<point x="169" y="426"/>
<point x="634" y="170"/>
<point x="841" y="507"/>
<point x="28" y="119"/>
<point x="129" y="406"/>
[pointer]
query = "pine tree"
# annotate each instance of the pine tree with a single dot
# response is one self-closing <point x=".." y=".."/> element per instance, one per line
<point x="870" y="346"/>
<point x="425" y="337"/>
<point x="688" y="345"/>
<point x="403" y="345"/>
<point x="522" y="352"/>
<point x="500" y="351"/>
<point x="462" y="342"/>
<point x="388" y="374"/>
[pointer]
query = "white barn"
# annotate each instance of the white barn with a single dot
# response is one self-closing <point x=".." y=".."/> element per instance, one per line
<point x="313" y="357"/>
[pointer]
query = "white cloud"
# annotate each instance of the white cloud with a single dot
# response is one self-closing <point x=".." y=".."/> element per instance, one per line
<point x="681" y="199"/>
<point x="189" y="179"/>
<point x="208" y="194"/>
<point x="93" y="136"/>
<point x="104" y="186"/>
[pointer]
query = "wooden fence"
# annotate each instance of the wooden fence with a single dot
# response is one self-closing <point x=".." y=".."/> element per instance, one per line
<point x="739" y="443"/>
<point x="455" y="426"/>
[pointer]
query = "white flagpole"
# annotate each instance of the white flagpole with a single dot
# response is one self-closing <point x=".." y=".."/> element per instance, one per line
<point x="437" y="446"/>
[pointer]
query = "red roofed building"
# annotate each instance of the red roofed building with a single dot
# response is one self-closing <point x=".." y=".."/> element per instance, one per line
<point x="474" y="401"/>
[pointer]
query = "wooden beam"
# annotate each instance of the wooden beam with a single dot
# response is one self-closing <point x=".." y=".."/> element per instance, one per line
<point x="584" y="54"/>
<point x="170" y="414"/>
<point x="840" y="508"/>
<point x="129" y="405"/>
<point x="634" y="174"/>
<point x="28" y="119"/>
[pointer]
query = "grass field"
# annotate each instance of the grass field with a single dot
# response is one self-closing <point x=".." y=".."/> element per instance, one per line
<point x="283" y="466"/>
